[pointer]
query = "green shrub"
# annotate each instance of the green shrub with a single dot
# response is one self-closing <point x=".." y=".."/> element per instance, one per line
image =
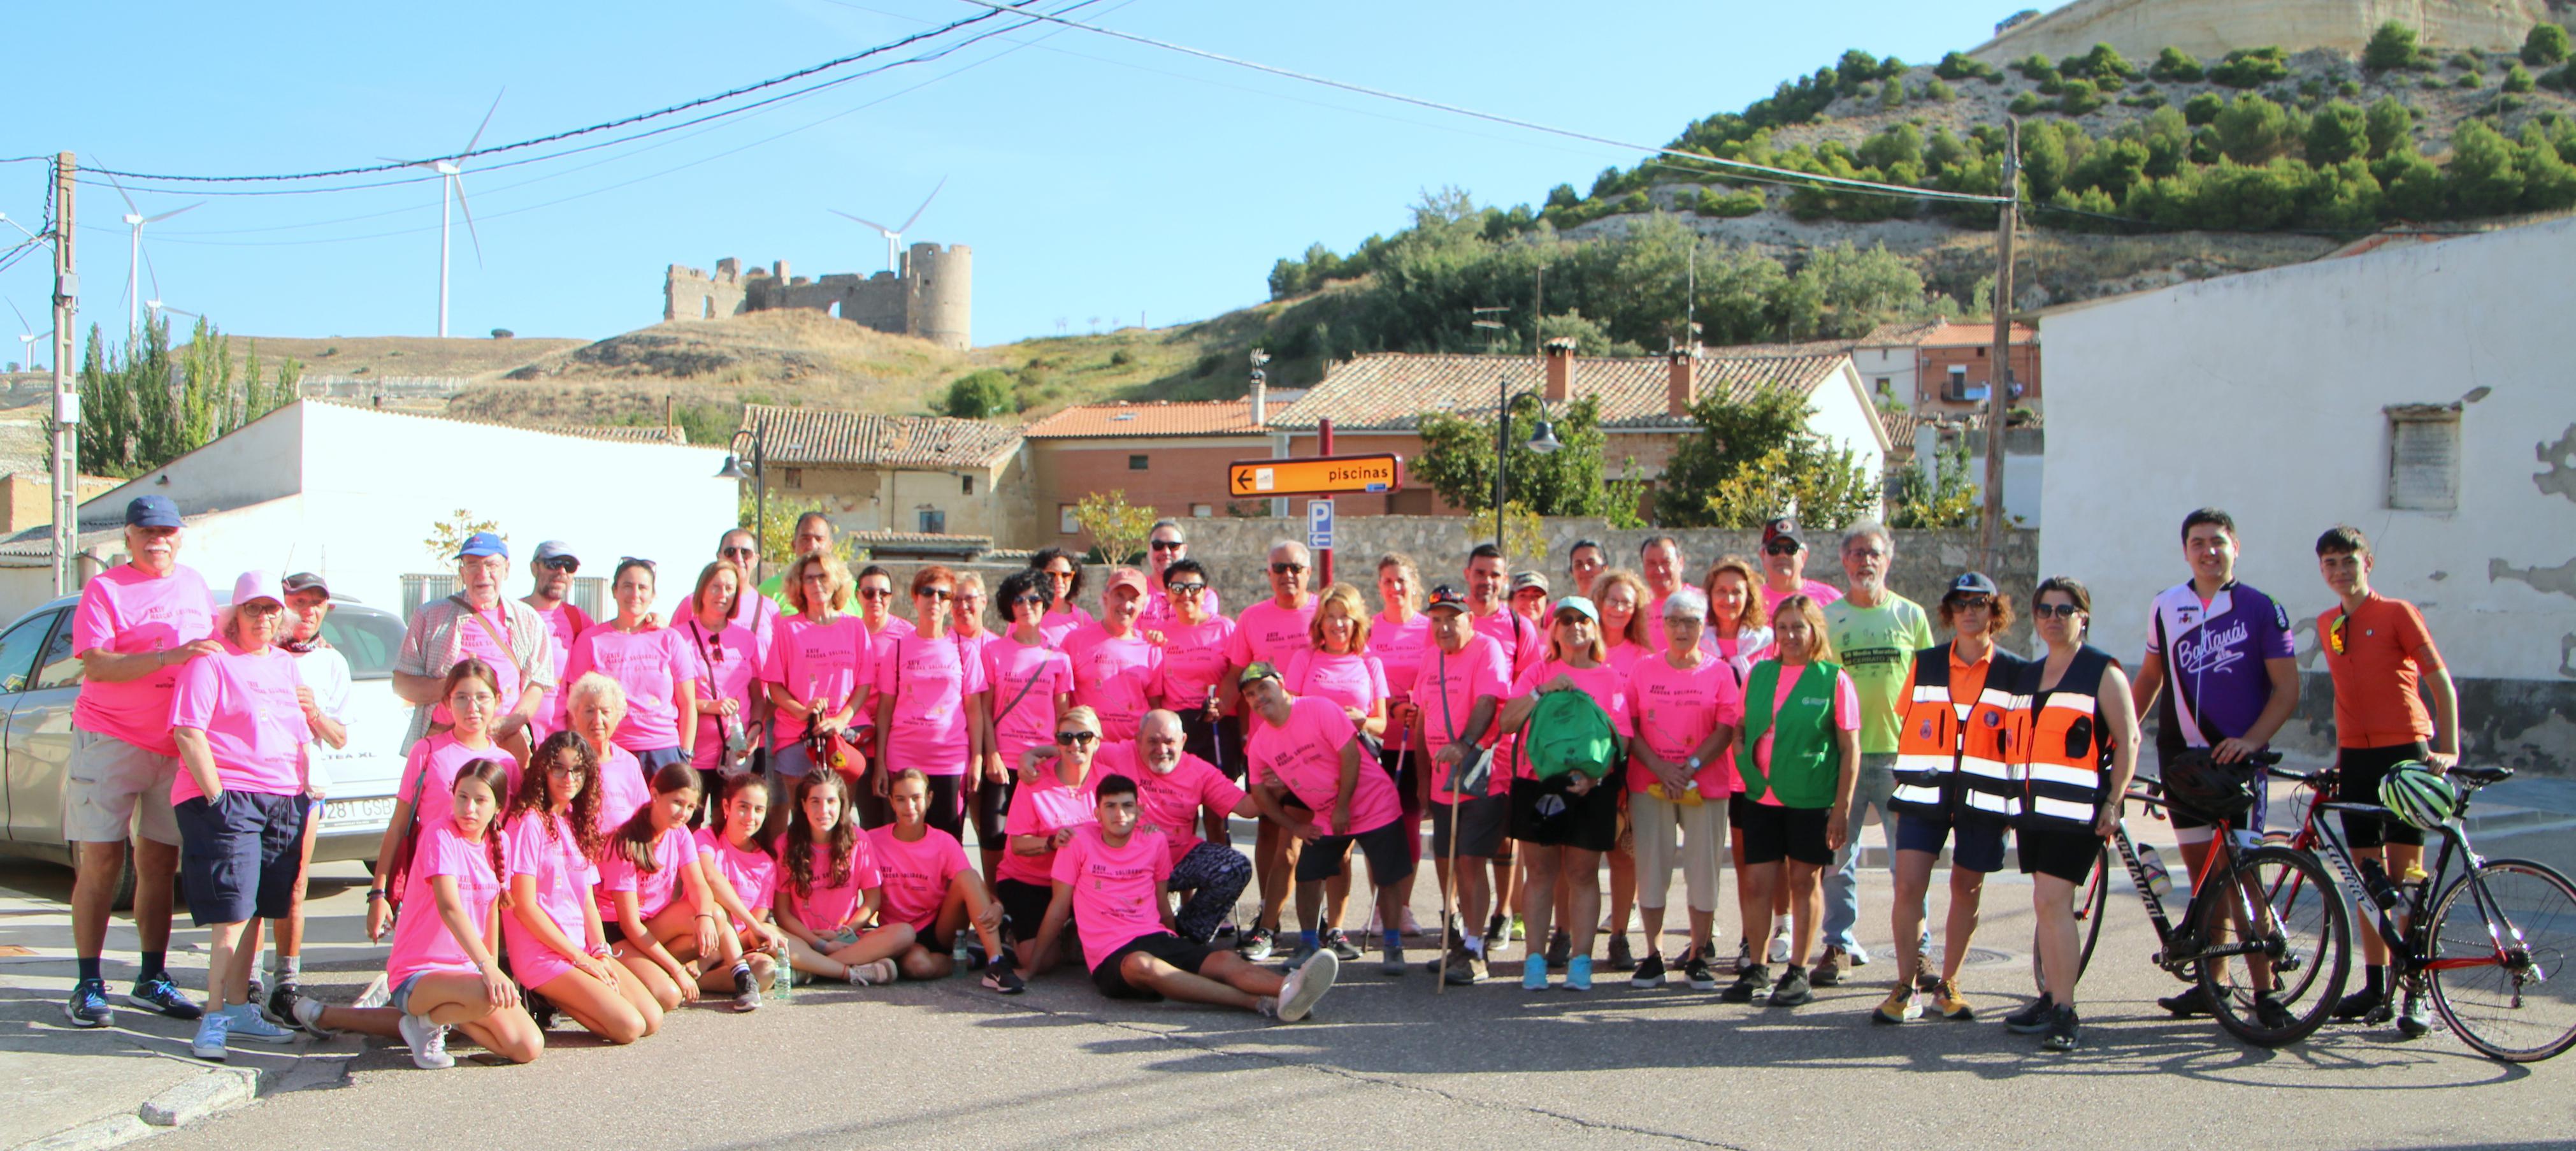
<point x="2338" y="132"/>
<point x="1742" y="202"/>
<point x="978" y="395"/>
<point x="2468" y="61"/>
<point x="2349" y="89"/>
<point x="2176" y="66"/>
<point x="2027" y="104"/>
<point x="2251" y="67"/>
<point x="2203" y="108"/>
<point x="2147" y="99"/>
<point x="2431" y="84"/>
<point x="2389" y="123"/>
<point x="1939" y="91"/>
<point x="1892" y="94"/>
<point x="1956" y="66"/>
<point x="2466" y="80"/>
<point x="2252" y="130"/>
<point x="2036" y="68"/>
<point x="2391" y="47"/>
<point x="2547" y="44"/>
<point x="2517" y="80"/>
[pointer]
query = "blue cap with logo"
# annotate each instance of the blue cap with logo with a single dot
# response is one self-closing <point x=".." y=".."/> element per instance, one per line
<point x="484" y="544"/>
<point x="151" y="512"/>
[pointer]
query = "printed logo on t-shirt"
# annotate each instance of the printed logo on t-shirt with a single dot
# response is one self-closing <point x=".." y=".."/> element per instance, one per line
<point x="2201" y="654"/>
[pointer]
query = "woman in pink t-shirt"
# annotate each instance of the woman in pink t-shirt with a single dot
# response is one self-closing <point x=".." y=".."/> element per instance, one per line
<point x="1565" y="824"/>
<point x="1628" y="637"/>
<point x="1400" y="637"/>
<point x="1060" y="576"/>
<point x="929" y="705"/>
<point x="650" y="890"/>
<point x="472" y="693"/>
<point x="1029" y="684"/>
<point x="1054" y="798"/>
<point x="966" y="621"/>
<point x="1337" y="666"/>
<point x="832" y="890"/>
<point x="596" y="705"/>
<point x="444" y="959"/>
<point x="816" y="666"/>
<point x="652" y="663"/>
<point x="557" y="948"/>
<point x="1688" y="704"/>
<point x="742" y="880"/>
<point x="731" y="704"/>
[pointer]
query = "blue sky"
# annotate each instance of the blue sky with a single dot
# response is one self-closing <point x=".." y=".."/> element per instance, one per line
<point x="1092" y="178"/>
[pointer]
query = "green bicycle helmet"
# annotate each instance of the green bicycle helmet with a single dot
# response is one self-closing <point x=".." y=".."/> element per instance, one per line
<point x="2418" y="795"/>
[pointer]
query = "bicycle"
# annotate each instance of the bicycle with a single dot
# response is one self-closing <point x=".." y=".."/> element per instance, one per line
<point x="2483" y="967"/>
<point x="2283" y="954"/>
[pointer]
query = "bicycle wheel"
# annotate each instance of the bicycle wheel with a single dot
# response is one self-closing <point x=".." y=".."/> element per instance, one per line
<point x="2290" y="982"/>
<point x="2502" y="985"/>
<point x="2092" y="902"/>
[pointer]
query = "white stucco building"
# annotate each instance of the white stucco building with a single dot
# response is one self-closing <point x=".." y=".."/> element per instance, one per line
<point x="352" y="493"/>
<point x="2420" y="392"/>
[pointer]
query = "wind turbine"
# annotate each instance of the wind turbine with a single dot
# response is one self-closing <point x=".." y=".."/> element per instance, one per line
<point x="894" y="236"/>
<point x="451" y="171"/>
<point x="136" y="261"/>
<point x="158" y="307"/>
<point x="27" y="342"/>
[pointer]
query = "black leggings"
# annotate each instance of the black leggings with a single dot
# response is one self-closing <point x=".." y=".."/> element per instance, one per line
<point x="992" y="810"/>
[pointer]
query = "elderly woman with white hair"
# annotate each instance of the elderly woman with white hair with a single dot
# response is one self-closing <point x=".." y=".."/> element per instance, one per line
<point x="1689" y="704"/>
<point x="595" y="705"/>
<point x="239" y="799"/>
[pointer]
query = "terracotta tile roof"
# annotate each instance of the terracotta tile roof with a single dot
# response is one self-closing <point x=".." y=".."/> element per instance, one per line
<point x="1155" y="418"/>
<point x="1901" y="333"/>
<point x="821" y="436"/>
<point x="1901" y="426"/>
<point x="1394" y="390"/>
<point x="1943" y="334"/>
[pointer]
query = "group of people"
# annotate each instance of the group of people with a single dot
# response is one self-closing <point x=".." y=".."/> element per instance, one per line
<point x="601" y="820"/>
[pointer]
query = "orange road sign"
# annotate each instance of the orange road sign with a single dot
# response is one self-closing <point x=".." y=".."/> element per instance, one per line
<point x="1316" y="475"/>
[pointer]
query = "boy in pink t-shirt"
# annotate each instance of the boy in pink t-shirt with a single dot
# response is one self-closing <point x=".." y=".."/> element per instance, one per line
<point x="1174" y="788"/>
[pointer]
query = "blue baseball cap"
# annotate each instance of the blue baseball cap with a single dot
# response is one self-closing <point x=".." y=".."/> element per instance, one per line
<point x="151" y="512"/>
<point x="484" y="544"/>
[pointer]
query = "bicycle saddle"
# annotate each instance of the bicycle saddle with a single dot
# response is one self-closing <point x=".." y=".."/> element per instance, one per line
<point x="2480" y="776"/>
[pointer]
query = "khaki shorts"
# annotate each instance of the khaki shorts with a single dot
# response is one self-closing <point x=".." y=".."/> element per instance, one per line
<point x="108" y="781"/>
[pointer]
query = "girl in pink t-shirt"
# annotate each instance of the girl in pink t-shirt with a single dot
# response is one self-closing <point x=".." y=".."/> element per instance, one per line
<point x="742" y="878"/>
<point x="654" y="665"/>
<point x="557" y="947"/>
<point x="650" y="890"/>
<point x="473" y="696"/>
<point x="445" y="954"/>
<point x="1028" y="685"/>
<point x="832" y="889"/>
<point x="1060" y="575"/>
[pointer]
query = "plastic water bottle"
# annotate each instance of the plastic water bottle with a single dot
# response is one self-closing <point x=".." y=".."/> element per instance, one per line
<point x="2152" y="865"/>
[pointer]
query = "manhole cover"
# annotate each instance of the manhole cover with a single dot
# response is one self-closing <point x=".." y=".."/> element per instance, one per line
<point x="1977" y="956"/>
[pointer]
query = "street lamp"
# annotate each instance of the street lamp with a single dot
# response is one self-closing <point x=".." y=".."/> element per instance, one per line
<point x="1542" y="440"/>
<point x="759" y="477"/>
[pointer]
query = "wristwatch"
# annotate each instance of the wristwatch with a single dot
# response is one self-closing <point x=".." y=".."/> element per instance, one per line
<point x="1694" y="763"/>
<point x="375" y="893"/>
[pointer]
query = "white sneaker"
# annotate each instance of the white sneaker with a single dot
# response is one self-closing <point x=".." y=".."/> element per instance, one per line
<point x="872" y="974"/>
<point x="1412" y="926"/>
<point x="1780" y="947"/>
<point x="428" y="1043"/>
<point x="1297" y="995"/>
<point x="1856" y="955"/>
<point x="248" y="1023"/>
<point x="308" y="1015"/>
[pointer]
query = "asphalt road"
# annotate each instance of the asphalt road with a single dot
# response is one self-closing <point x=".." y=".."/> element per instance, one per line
<point x="1388" y="1063"/>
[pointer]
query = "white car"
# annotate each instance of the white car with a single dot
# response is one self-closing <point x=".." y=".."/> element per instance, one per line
<point x="39" y="679"/>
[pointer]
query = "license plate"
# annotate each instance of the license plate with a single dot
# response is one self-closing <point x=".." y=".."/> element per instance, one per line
<point x="376" y="810"/>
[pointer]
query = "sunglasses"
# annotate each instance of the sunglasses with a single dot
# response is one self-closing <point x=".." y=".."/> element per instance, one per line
<point x="2056" y="610"/>
<point x="1070" y="738"/>
<point x="941" y="594"/>
<point x="2334" y="632"/>
<point x="876" y="593"/>
<point x="1037" y="600"/>
<point x="567" y="566"/>
<point x="1169" y="545"/>
<point x="1287" y="569"/>
<point x="1780" y="548"/>
<point x="1185" y="588"/>
<point x="1979" y="602"/>
<point x="734" y="553"/>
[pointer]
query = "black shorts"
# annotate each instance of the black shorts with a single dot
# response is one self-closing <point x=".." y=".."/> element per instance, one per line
<point x="239" y="855"/>
<point x="993" y="812"/>
<point x="947" y="796"/>
<point x="2358" y="771"/>
<point x="1546" y="814"/>
<point x="1771" y="834"/>
<point x="1388" y="848"/>
<point x="1400" y="767"/>
<point x="1218" y="741"/>
<point x="1163" y="945"/>
<point x="2183" y="818"/>
<point x="1481" y="824"/>
<point x="2063" y="852"/>
<point x="1024" y="907"/>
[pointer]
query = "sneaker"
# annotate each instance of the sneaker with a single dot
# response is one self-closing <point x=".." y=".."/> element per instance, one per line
<point x="1534" y="973"/>
<point x="249" y="1024"/>
<point x="2361" y="1005"/>
<point x="2270" y="1011"/>
<point x="1695" y="969"/>
<point x="258" y="991"/>
<point x="1743" y="954"/>
<point x="975" y="957"/>
<point x="1298" y="993"/>
<point x="212" y="1031"/>
<point x="876" y="974"/>
<point x="1621" y="958"/>
<point x="1752" y="980"/>
<point x="1857" y="955"/>
<point x="2187" y="1004"/>
<point x="746" y="990"/>
<point x="1223" y="931"/>
<point x="1950" y="1005"/>
<point x="1924" y="980"/>
<point x="1780" y="945"/>
<point x="1649" y="973"/>
<point x="1339" y="943"/>
<point x="428" y="1042"/>
<point x="2064" y="1031"/>
<point x="1793" y="988"/>
<point x="306" y="1011"/>
<point x="998" y="976"/>
<point x="281" y="1004"/>
<point x="1578" y="973"/>
<point x="1409" y="925"/>
<point x="1257" y="944"/>
<point x="1498" y="932"/>
<point x="1463" y="968"/>
<point x="1519" y="930"/>
<point x="88" y="1006"/>
<point x="1829" y="971"/>
<point x="1391" y="963"/>
<point x="159" y="994"/>
<point x="2415" y="1020"/>
<point x="2033" y="1016"/>
<point x="1902" y="1005"/>
<point x="1560" y="947"/>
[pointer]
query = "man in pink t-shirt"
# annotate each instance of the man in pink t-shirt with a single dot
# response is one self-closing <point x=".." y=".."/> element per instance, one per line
<point x="1661" y="562"/>
<point x="1308" y="750"/>
<point x="1114" y="664"/>
<point x="1269" y="632"/>
<point x="550" y="571"/>
<point x="1524" y="644"/>
<point x="1174" y="788"/>
<point x="1784" y="569"/>
<point x="1115" y="877"/>
<point x="1168" y="544"/>
<point x="136" y="625"/>
<point x="1464" y="678"/>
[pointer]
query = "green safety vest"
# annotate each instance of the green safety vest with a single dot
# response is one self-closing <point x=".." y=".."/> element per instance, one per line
<point x="1803" y="772"/>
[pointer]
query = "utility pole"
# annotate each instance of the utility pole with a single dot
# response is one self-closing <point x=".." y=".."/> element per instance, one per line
<point x="66" y="527"/>
<point x="1999" y="370"/>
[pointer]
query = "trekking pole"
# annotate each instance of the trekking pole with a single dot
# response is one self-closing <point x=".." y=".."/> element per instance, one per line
<point x="1449" y="890"/>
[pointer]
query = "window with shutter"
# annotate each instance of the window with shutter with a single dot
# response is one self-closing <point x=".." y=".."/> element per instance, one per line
<point x="2424" y="457"/>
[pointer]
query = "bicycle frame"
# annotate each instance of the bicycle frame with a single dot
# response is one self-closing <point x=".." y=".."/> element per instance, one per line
<point x="2168" y="937"/>
<point x="2409" y="946"/>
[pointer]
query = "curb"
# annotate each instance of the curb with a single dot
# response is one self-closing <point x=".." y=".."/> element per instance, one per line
<point x="218" y="1090"/>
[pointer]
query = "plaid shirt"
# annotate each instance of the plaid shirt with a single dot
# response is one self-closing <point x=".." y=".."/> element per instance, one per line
<point x="432" y="644"/>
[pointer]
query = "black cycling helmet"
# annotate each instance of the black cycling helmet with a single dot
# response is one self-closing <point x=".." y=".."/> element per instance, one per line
<point x="2199" y="784"/>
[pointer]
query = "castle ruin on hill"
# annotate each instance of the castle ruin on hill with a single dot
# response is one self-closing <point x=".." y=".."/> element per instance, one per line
<point x="929" y="298"/>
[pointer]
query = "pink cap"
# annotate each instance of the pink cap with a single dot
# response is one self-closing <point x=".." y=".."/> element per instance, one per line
<point x="1126" y="577"/>
<point x="256" y="584"/>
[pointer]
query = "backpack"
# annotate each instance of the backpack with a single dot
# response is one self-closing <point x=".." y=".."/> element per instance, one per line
<point x="1568" y="731"/>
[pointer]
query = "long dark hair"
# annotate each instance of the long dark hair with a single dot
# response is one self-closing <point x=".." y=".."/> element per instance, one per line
<point x="534" y="795"/>
<point x="1072" y="591"/>
<point x="635" y="838"/>
<point x="800" y="835"/>
<point x="491" y="773"/>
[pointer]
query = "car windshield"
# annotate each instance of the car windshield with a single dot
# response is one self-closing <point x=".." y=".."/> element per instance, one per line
<point x="368" y="638"/>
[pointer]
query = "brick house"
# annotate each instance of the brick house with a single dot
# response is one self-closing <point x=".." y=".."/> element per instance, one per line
<point x="926" y="475"/>
<point x="1939" y="367"/>
<point x="1169" y="456"/>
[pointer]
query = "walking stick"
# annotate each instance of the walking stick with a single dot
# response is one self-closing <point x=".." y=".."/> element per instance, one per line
<point x="1449" y="890"/>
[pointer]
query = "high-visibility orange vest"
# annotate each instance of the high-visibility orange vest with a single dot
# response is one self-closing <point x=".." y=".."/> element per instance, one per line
<point x="2064" y="758"/>
<point x="1958" y="760"/>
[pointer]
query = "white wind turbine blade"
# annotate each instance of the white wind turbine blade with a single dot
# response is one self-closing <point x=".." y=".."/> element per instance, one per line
<point x="155" y="273"/>
<point x="487" y="122"/>
<point x="925" y="206"/>
<point x="172" y="212"/>
<point x="458" y="180"/>
<point x="22" y="316"/>
<point x="120" y="191"/>
<point x="871" y="223"/>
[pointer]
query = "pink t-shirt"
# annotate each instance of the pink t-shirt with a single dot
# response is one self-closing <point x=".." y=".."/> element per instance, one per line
<point x="1600" y="681"/>
<point x="1348" y="680"/>
<point x="1677" y="709"/>
<point x="1399" y="648"/>
<point x="654" y="890"/>
<point x="123" y="611"/>
<point x="254" y="727"/>
<point x="1193" y="661"/>
<point x="1023" y="719"/>
<point x="1159" y="613"/>
<point x="916" y="874"/>
<point x="727" y="666"/>
<point x="485" y="643"/>
<point x="929" y="680"/>
<point x="829" y="907"/>
<point x="1626" y="655"/>
<point x="1524" y="643"/>
<point x="564" y="877"/>
<point x="1817" y="590"/>
<point x="1045" y="810"/>
<point x="565" y="623"/>
<point x="1447" y="688"/>
<point x="1055" y="625"/>
<point x="1115" y="888"/>
<point x="971" y="647"/>
<point x="421" y="939"/>
<point x="623" y="790"/>
<point x="1846" y="716"/>
<point x="1113" y="676"/>
<point x="1170" y="802"/>
<point x="753" y="873"/>
<point x="440" y="757"/>
<point x="651" y="666"/>
<point x="827" y="660"/>
<point x="1271" y="633"/>
<point x="1305" y="756"/>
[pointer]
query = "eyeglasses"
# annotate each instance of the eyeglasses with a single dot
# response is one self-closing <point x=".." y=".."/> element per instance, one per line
<point x="876" y="593"/>
<point x="1780" y="548"/>
<point x="566" y="565"/>
<point x="1287" y="569"/>
<point x="938" y="593"/>
<point x="1185" y="588"/>
<point x="1170" y="545"/>
<point x="733" y="553"/>
<point x="567" y="770"/>
<point x="1070" y="738"/>
<point x="2056" y="610"/>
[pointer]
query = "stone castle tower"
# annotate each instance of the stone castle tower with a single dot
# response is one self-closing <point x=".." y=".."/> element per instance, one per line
<point x="931" y="298"/>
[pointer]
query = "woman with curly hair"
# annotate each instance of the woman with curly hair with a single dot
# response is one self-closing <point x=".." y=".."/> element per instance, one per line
<point x="551" y="838"/>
